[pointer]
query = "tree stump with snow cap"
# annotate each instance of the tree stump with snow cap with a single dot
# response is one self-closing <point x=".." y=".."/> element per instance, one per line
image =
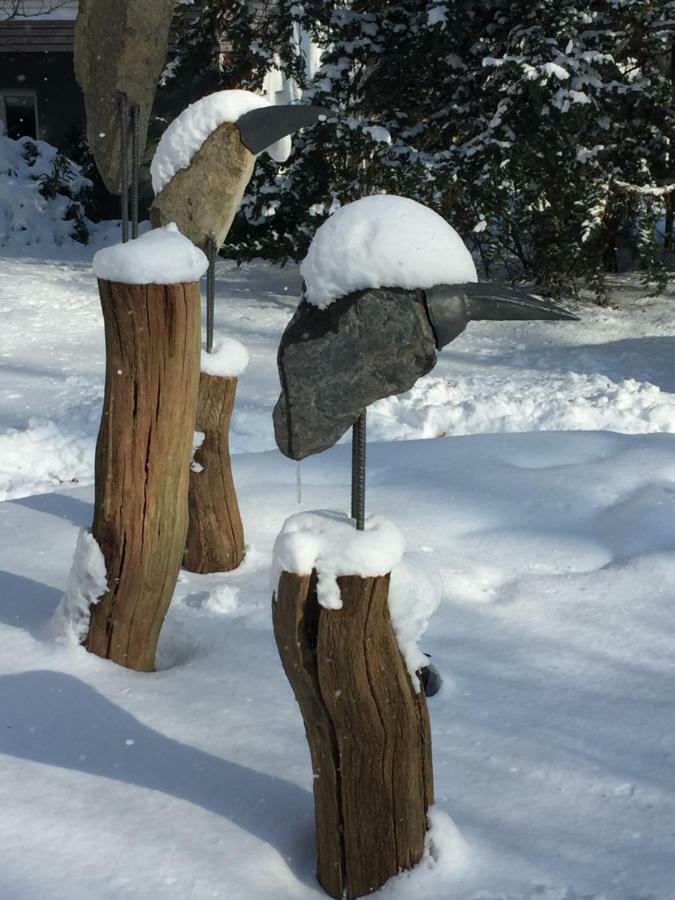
<point x="144" y="443"/>
<point x="215" y="539"/>
<point x="366" y="722"/>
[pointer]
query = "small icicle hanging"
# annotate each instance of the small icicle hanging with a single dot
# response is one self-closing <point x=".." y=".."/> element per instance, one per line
<point x="298" y="482"/>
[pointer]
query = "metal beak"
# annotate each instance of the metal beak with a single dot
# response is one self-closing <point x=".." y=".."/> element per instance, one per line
<point x="261" y="128"/>
<point x="487" y="300"/>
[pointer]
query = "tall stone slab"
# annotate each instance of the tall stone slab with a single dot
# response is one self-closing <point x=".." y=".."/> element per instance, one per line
<point x="120" y="49"/>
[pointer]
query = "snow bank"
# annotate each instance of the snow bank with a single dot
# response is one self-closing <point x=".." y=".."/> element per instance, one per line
<point x="87" y="583"/>
<point x="383" y="241"/>
<point x="160" y="256"/>
<point x="329" y="542"/>
<point x="414" y="596"/>
<point x="40" y="196"/>
<point x="229" y="358"/>
<point x="489" y="402"/>
<point x="186" y="134"/>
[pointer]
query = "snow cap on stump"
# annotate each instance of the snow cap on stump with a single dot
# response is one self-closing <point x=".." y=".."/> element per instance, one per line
<point x="383" y="241"/>
<point x="328" y="542"/>
<point x="161" y="256"/>
<point x="228" y="359"/>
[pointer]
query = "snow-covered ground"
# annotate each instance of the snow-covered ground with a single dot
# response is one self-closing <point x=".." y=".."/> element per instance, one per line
<point x="554" y="733"/>
<point x="612" y="370"/>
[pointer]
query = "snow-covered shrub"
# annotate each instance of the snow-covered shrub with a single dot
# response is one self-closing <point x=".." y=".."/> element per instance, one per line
<point x="42" y="195"/>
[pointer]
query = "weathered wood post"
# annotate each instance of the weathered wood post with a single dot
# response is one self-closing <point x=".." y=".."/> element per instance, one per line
<point x="217" y="177"/>
<point x="200" y="171"/>
<point x="365" y="718"/>
<point x="145" y="439"/>
<point x="215" y="538"/>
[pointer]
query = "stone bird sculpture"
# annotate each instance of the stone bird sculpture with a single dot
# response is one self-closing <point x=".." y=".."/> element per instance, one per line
<point x="334" y="362"/>
<point x="203" y="196"/>
<point x="388" y="283"/>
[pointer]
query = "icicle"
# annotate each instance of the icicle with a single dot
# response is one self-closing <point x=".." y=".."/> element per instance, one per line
<point x="298" y="482"/>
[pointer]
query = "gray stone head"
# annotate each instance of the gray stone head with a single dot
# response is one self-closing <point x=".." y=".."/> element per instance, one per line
<point x="334" y="362"/>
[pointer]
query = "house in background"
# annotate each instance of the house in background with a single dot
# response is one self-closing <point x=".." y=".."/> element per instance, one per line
<point x="39" y="96"/>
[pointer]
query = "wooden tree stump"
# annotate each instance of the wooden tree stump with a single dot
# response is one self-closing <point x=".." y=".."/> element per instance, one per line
<point x="143" y="461"/>
<point x="367" y="727"/>
<point x="215" y="541"/>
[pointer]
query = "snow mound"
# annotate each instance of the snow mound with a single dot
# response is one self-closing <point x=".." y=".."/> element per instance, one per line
<point x="489" y="402"/>
<point x="414" y="596"/>
<point x="329" y="542"/>
<point x="383" y="241"/>
<point x="161" y="256"/>
<point x="40" y="196"/>
<point x="87" y="583"/>
<point x="229" y="358"/>
<point x="186" y="134"/>
<point x="446" y="855"/>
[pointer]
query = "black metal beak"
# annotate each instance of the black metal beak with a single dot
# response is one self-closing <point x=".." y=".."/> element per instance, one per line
<point x="261" y="128"/>
<point x="451" y="307"/>
<point x="486" y="300"/>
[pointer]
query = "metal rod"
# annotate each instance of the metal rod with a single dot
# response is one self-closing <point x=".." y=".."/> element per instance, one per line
<point x="124" y="166"/>
<point x="135" y="167"/>
<point x="211" y="252"/>
<point x="359" y="471"/>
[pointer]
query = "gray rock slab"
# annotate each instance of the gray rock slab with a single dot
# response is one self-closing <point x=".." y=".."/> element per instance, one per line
<point x="203" y="198"/>
<point x="333" y="363"/>
<point x="120" y="48"/>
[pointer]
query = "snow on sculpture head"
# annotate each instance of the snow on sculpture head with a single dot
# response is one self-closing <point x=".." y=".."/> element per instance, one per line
<point x="206" y="157"/>
<point x="383" y="241"/>
<point x="387" y="283"/>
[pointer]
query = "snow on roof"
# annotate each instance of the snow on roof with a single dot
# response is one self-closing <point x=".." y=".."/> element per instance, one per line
<point x="186" y="134"/>
<point x="161" y="256"/>
<point x="383" y="241"/>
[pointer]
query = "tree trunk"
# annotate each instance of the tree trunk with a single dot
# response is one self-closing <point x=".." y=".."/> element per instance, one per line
<point x="215" y="541"/>
<point x="367" y="727"/>
<point x="668" y="243"/>
<point x="143" y="461"/>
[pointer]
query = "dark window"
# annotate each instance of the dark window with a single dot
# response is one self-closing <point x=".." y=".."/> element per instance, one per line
<point x="19" y="110"/>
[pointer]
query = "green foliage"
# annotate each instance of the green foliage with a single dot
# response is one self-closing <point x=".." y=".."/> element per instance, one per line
<point x="541" y="131"/>
<point x="65" y="180"/>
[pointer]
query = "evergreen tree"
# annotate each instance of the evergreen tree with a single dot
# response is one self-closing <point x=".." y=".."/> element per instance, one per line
<point x="541" y="131"/>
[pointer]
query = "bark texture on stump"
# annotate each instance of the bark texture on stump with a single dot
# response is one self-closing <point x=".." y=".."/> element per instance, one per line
<point x="215" y="541"/>
<point x="367" y="727"/>
<point x="143" y="461"/>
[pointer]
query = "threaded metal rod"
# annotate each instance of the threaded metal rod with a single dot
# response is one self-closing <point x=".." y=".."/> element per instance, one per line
<point x="124" y="166"/>
<point x="211" y="253"/>
<point x="359" y="471"/>
<point x="135" y="167"/>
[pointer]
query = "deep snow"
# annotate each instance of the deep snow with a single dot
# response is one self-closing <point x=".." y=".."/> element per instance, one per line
<point x="554" y="731"/>
<point x="612" y="370"/>
<point x="553" y="734"/>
